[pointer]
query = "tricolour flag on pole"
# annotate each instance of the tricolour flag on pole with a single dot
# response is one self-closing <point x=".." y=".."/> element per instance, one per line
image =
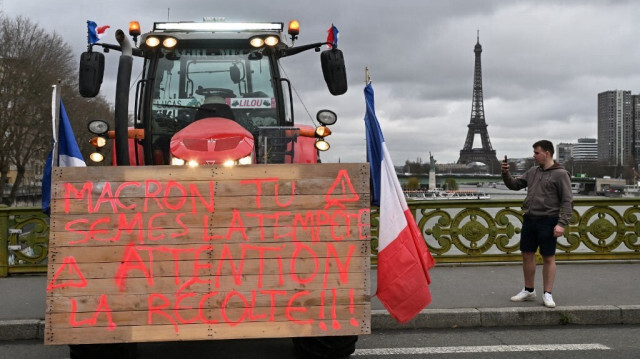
<point x="95" y="32"/>
<point x="403" y="257"/>
<point x="332" y="36"/>
<point x="67" y="155"/>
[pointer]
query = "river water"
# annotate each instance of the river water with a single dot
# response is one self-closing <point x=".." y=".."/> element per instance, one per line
<point x="501" y="192"/>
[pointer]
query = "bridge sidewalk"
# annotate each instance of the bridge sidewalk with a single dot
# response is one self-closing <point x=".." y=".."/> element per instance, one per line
<point x="463" y="296"/>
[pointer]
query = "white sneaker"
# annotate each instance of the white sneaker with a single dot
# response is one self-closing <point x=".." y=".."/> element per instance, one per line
<point x="548" y="300"/>
<point x="524" y="295"/>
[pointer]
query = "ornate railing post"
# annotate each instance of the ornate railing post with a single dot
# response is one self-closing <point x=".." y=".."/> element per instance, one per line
<point x="4" y="241"/>
<point x="24" y="240"/>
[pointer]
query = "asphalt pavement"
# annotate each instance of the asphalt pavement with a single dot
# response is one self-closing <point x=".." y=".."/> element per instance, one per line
<point x="463" y="296"/>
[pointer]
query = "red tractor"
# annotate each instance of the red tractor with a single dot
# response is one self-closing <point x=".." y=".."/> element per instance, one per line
<point x="211" y="93"/>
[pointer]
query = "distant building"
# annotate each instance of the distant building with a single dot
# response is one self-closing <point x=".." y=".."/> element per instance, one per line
<point x="615" y="127"/>
<point x="522" y="164"/>
<point x="451" y="167"/>
<point x="585" y="150"/>
<point x="635" y="103"/>
<point x="564" y="152"/>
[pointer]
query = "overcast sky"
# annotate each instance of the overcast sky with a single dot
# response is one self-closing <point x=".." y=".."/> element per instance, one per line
<point x="544" y="62"/>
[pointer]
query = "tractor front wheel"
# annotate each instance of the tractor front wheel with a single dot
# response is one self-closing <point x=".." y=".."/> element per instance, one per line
<point x="336" y="347"/>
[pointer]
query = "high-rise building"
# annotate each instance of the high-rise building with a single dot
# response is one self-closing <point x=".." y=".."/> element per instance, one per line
<point x="564" y="152"/>
<point x="585" y="150"/>
<point x="615" y="127"/>
<point x="635" y="105"/>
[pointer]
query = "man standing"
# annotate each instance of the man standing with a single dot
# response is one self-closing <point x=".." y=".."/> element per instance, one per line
<point x="547" y="211"/>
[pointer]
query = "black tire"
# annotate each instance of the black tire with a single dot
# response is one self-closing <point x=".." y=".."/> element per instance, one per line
<point x="337" y="347"/>
<point x="103" y="351"/>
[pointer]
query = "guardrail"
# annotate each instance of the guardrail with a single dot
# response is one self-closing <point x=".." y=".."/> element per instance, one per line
<point x="456" y="231"/>
<point x="472" y="231"/>
<point x="24" y="240"/>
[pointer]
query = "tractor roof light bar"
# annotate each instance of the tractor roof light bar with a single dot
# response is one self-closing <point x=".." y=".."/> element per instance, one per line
<point x="218" y="26"/>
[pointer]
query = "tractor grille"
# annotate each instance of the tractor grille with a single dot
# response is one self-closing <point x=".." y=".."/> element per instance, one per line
<point x="204" y="144"/>
<point x="276" y="144"/>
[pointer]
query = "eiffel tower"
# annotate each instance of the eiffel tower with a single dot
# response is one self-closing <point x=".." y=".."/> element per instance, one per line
<point x="486" y="154"/>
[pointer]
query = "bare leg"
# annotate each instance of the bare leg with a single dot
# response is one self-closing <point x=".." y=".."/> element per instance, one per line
<point x="529" y="268"/>
<point x="549" y="273"/>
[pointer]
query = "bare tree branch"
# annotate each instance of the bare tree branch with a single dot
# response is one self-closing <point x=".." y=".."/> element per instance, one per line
<point x="32" y="60"/>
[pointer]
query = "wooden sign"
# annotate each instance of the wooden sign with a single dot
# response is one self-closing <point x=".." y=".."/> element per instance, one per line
<point x="169" y="253"/>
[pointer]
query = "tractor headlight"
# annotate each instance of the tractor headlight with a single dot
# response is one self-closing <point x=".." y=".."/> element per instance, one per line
<point x="326" y="117"/>
<point x="152" y="41"/>
<point x="98" y="127"/>
<point x="96" y="157"/>
<point x="246" y="160"/>
<point x="175" y="161"/>
<point x="271" y="40"/>
<point x="322" y="145"/>
<point x="257" y="42"/>
<point x="169" y="42"/>
<point x="98" y="141"/>
<point x="322" y="131"/>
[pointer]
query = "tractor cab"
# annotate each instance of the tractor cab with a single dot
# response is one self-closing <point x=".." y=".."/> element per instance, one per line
<point x="211" y="91"/>
<point x="192" y="74"/>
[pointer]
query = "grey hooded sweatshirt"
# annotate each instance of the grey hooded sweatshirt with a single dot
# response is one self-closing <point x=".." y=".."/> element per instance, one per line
<point x="548" y="192"/>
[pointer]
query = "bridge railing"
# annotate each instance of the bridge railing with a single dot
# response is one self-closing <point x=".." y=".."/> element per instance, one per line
<point x="472" y="231"/>
<point x="24" y="240"/>
<point x="456" y="231"/>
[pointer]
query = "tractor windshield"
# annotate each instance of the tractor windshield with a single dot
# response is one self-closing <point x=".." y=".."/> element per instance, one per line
<point x="196" y="83"/>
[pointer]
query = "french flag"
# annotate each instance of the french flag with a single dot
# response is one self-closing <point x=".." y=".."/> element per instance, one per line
<point x="332" y="36"/>
<point x="403" y="257"/>
<point x="68" y="155"/>
<point x="95" y="33"/>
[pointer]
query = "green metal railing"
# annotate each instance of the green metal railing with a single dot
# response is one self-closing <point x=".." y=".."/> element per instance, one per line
<point x="471" y="231"/>
<point x="24" y="240"/>
<point x="456" y="231"/>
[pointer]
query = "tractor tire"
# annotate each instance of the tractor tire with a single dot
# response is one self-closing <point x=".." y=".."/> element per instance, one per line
<point x="336" y="347"/>
<point x="103" y="351"/>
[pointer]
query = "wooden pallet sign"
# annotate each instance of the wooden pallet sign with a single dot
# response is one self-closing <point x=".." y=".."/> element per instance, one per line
<point x="165" y="253"/>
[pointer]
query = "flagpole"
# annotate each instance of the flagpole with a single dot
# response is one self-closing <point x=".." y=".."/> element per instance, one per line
<point x="367" y="80"/>
<point x="55" y="123"/>
<point x="47" y="183"/>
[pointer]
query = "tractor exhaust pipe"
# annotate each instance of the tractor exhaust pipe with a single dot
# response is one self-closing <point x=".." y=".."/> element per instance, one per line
<point x="122" y="100"/>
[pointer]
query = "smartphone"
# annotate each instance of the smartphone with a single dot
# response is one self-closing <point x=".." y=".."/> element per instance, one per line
<point x="505" y="159"/>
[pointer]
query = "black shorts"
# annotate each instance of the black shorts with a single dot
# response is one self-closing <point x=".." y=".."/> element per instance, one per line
<point x="538" y="232"/>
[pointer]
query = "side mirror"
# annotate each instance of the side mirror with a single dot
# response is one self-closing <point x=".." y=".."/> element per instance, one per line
<point x="91" y="73"/>
<point x="234" y="72"/>
<point x="334" y="71"/>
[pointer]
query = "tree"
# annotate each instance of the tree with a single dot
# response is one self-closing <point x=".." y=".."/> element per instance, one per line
<point x="413" y="183"/>
<point x="416" y="167"/>
<point x="31" y="61"/>
<point x="451" y="184"/>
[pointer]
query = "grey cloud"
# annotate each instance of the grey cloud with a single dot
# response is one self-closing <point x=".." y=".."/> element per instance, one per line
<point x="543" y="63"/>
